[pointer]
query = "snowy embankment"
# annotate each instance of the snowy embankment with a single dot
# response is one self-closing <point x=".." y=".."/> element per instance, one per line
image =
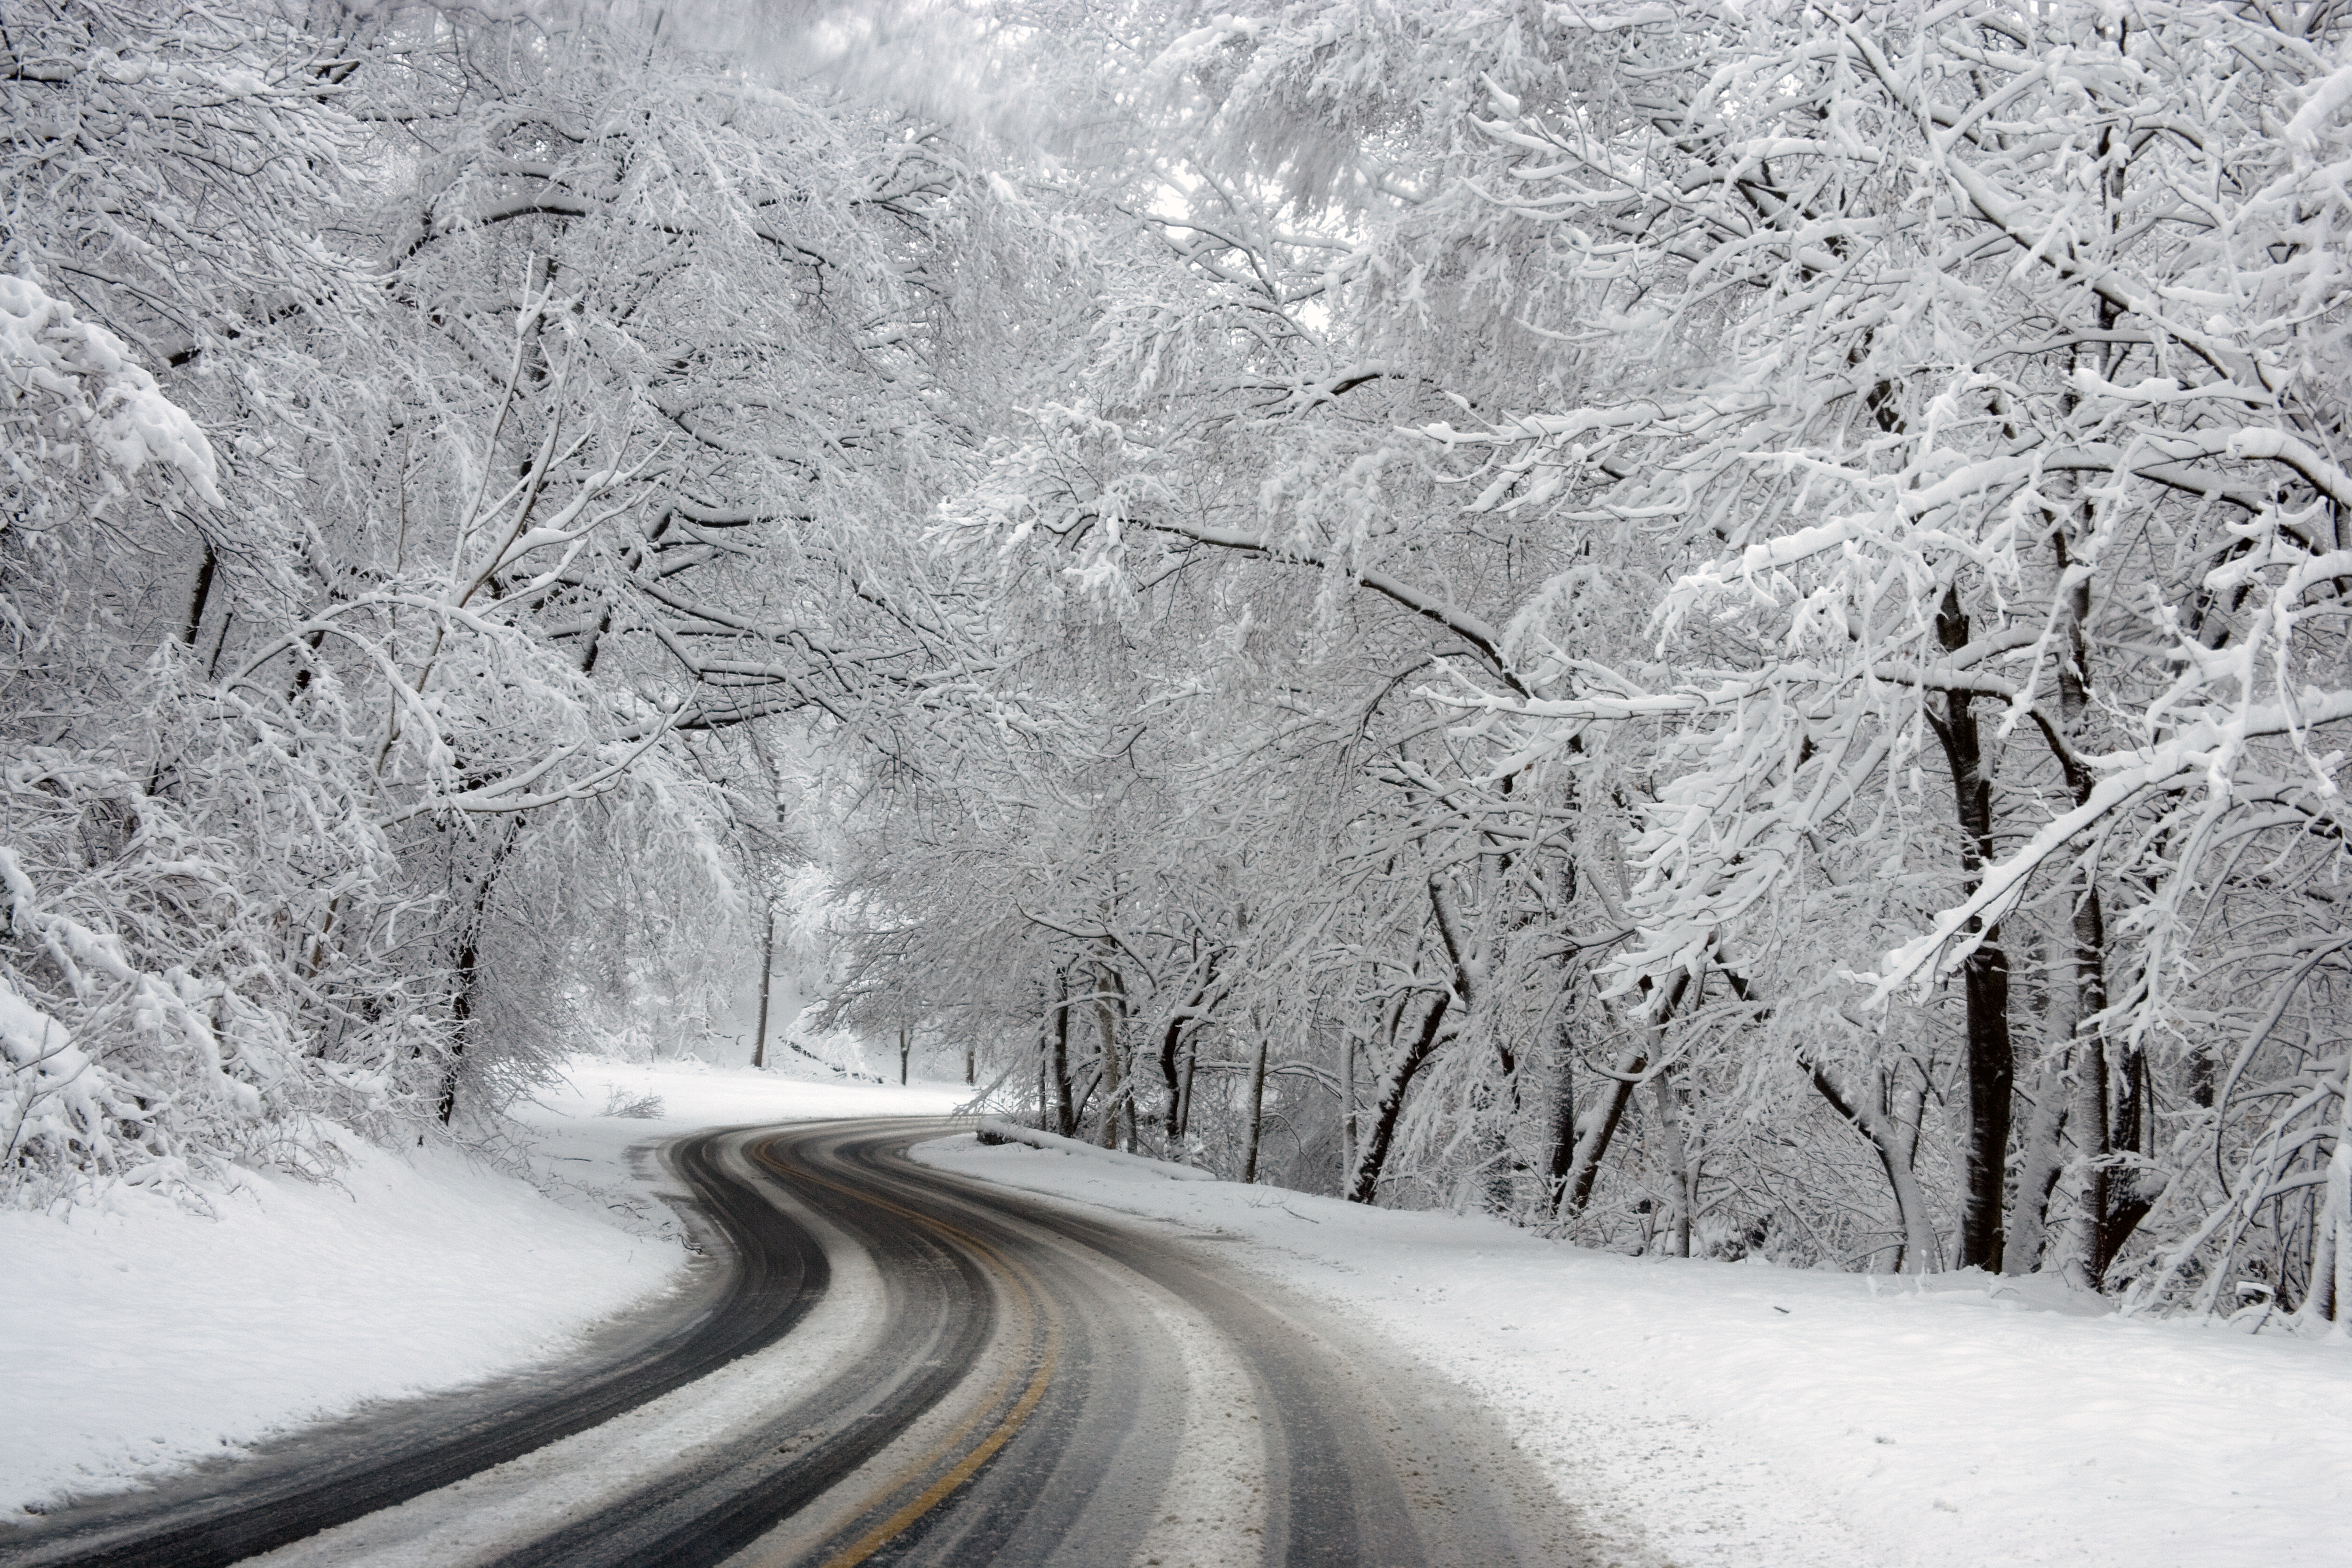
<point x="140" y="1337"/>
<point x="1715" y="1414"/>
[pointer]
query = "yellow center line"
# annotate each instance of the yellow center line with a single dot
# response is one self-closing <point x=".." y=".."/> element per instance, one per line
<point x="881" y="1535"/>
<point x="1028" y="1300"/>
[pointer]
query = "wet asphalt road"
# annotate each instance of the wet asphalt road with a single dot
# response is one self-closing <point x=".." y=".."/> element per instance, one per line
<point x="987" y="1378"/>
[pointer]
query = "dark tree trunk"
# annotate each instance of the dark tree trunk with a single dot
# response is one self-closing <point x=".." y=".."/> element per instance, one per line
<point x="1170" y="1078"/>
<point x="1114" y="1080"/>
<point x="1587" y="1163"/>
<point x="1990" y="1062"/>
<point x="1184" y="1101"/>
<point x="767" y="973"/>
<point x="1561" y="1137"/>
<point x="1065" y="1113"/>
<point x="1257" y="1110"/>
<point x="1992" y="1076"/>
<point x="1592" y="1135"/>
<point x="467" y="967"/>
<point x="201" y="596"/>
<point x="1391" y="1102"/>
<point x="1562" y="1133"/>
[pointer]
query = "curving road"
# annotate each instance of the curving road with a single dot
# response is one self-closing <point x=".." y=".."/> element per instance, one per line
<point x="897" y="1366"/>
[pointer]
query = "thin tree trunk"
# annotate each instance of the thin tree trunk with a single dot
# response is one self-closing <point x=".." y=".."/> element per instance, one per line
<point x="1910" y="1202"/>
<point x="1561" y="1136"/>
<point x="1170" y="1043"/>
<point x="2094" y="1125"/>
<point x="467" y="967"/>
<point x="1109" y="1025"/>
<point x="1670" y="1124"/>
<point x="767" y="976"/>
<point x="1191" y="1065"/>
<point x="1346" y="1107"/>
<point x="1390" y="1101"/>
<point x="201" y="595"/>
<point x="1066" y="1114"/>
<point x="2336" y="1268"/>
<point x="220" y="644"/>
<point x="1598" y="1127"/>
<point x="2103" y="1119"/>
<point x="905" y="1050"/>
<point x="1257" y="1110"/>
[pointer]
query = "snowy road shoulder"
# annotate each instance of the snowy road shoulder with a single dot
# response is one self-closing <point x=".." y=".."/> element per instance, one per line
<point x="1716" y="1414"/>
<point x="141" y="1338"/>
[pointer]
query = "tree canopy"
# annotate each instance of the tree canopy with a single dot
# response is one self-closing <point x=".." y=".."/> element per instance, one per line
<point x="1718" y="629"/>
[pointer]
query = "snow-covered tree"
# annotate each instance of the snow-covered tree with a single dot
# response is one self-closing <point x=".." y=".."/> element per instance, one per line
<point x="429" y="429"/>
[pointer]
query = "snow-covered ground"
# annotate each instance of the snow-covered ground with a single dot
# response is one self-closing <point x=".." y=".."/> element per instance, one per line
<point x="1728" y="1416"/>
<point x="142" y="1337"/>
<point x="1706" y="1415"/>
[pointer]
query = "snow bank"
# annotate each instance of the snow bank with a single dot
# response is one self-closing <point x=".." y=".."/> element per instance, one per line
<point x="147" y="1337"/>
<point x="997" y="1130"/>
<point x="140" y="1338"/>
<point x="1728" y="1415"/>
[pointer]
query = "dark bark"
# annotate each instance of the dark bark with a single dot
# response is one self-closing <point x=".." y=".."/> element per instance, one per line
<point x="1168" y="1041"/>
<point x="201" y="596"/>
<point x="1588" y="1169"/>
<point x="1562" y="1134"/>
<point x="467" y="967"/>
<point x="1991" y="1060"/>
<point x="1178" y="1085"/>
<point x="220" y="644"/>
<point x="2121" y="1219"/>
<point x="1593" y="1138"/>
<point x="1065" y="1113"/>
<point x="1385" y="1110"/>
<point x="767" y="973"/>
<point x="1118" y="1076"/>
<point x="1184" y="1101"/>
<point x="1257" y="1112"/>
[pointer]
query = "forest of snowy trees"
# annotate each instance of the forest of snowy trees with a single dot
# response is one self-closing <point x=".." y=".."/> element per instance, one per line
<point x="1720" y="628"/>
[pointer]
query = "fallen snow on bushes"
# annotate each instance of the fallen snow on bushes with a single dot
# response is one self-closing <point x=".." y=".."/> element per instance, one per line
<point x="137" y="1336"/>
<point x="1729" y="1415"/>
